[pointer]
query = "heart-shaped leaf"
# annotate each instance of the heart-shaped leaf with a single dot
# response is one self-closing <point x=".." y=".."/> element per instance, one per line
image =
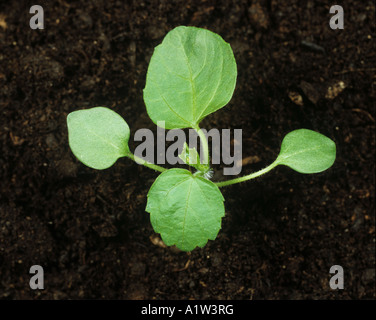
<point x="307" y="151"/>
<point x="98" y="136"/>
<point x="185" y="209"/>
<point x="191" y="74"/>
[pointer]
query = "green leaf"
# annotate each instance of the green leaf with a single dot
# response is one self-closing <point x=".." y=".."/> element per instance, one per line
<point x="191" y="74"/>
<point x="307" y="151"/>
<point x="185" y="209"/>
<point x="98" y="136"/>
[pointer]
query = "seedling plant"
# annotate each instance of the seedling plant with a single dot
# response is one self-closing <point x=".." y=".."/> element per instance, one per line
<point x="191" y="74"/>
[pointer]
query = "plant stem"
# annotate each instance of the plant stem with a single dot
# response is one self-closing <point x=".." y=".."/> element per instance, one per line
<point x="248" y="177"/>
<point x="204" y="144"/>
<point x="145" y="163"/>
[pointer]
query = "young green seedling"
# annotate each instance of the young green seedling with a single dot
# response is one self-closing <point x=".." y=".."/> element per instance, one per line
<point x="191" y="74"/>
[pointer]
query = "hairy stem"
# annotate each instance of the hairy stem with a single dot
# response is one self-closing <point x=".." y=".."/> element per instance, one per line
<point x="247" y="177"/>
<point x="145" y="163"/>
<point x="204" y="144"/>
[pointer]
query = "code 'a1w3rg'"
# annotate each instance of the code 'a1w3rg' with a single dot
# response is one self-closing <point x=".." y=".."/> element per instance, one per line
<point x="201" y="309"/>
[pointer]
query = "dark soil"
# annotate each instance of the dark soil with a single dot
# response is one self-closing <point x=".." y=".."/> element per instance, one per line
<point x="281" y="233"/>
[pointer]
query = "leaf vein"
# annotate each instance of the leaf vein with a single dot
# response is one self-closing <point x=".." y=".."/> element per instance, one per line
<point x="216" y="89"/>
